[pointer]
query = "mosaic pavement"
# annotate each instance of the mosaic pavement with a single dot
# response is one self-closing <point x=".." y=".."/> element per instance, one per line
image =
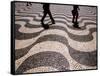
<point x="60" y="48"/>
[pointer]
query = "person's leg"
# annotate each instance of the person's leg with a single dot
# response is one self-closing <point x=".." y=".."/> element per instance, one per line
<point x="73" y="20"/>
<point x="76" y="17"/>
<point x="45" y="26"/>
<point x="30" y="4"/>
<point x="73" y="13"/>
<point x="27" y="4"/>
<point x="76" y="24"/>
<point x="50" y="15"/>
<point x="45" y="13"/>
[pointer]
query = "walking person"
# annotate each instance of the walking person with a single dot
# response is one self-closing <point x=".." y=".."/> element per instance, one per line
<point x="46" y="8"/>
<point x="75" y="15"/>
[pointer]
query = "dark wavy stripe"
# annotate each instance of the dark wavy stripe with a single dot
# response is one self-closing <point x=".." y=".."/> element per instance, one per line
<point x="23" y="36"/>
<point x="52" y="37"/>
<point x="86" y="58"/>
<point x="91" y="11"/>
<point x="28" y="25"/>
<point x="75" y="37"/>
<point x="83" y="27"/>
<point x="48" y="58"/>
<point x="68" y="16"/>
<point x="21" y="52"/>
<point x="71" y="27"/>
<point x="81" y="38"/>
<point x="22" y="14"/>
<point x="61" y="18"/>
<point x="39" y="15"/>
<point x="89" y="57"/>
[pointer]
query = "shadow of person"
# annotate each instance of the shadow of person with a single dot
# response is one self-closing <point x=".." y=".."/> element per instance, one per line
<point x="45" y="26"/>
<point x="76" y="25"/>
<point x="46" y="10"/>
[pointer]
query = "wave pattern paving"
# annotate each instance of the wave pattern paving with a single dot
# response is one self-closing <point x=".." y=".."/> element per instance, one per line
<point x="60" y="48"/>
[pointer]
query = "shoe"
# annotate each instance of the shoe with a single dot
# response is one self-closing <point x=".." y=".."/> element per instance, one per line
<point x="53" y="22"/>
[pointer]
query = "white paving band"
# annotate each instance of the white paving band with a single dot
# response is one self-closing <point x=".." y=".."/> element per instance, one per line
<point x="76" y="32"/>
<point x="41" y="69"/>
<point x="52" y="46"/>
<point x="71" y="41"/>
<point x="30" y="44"/>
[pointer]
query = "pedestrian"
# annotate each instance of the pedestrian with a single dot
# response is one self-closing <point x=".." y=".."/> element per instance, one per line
<point x="46" y="10"/>
<point x="75" y="15"/>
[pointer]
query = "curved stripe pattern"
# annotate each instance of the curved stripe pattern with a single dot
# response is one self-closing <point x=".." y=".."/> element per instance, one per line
<point x="87" y="58"/>
<point x="59" y="39"/>
<point x="74" y="49"/>
<point x="88" y="37"/>
<point x="48" y="58"/>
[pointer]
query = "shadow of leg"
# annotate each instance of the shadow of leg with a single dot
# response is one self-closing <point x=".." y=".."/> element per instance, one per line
<point x="45" y="26"/>
<point x="76" y="25"/>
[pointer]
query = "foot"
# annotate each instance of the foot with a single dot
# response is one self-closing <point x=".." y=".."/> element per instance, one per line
<point x="53" y="22"/>
<point x="76" y="27"/>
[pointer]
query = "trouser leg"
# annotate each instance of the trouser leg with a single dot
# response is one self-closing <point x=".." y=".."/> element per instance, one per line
<point x="50" y="15"/>
<point x="45" y="13"/>
<point x="73" y="20"/>
<point x="76" y="17"/>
